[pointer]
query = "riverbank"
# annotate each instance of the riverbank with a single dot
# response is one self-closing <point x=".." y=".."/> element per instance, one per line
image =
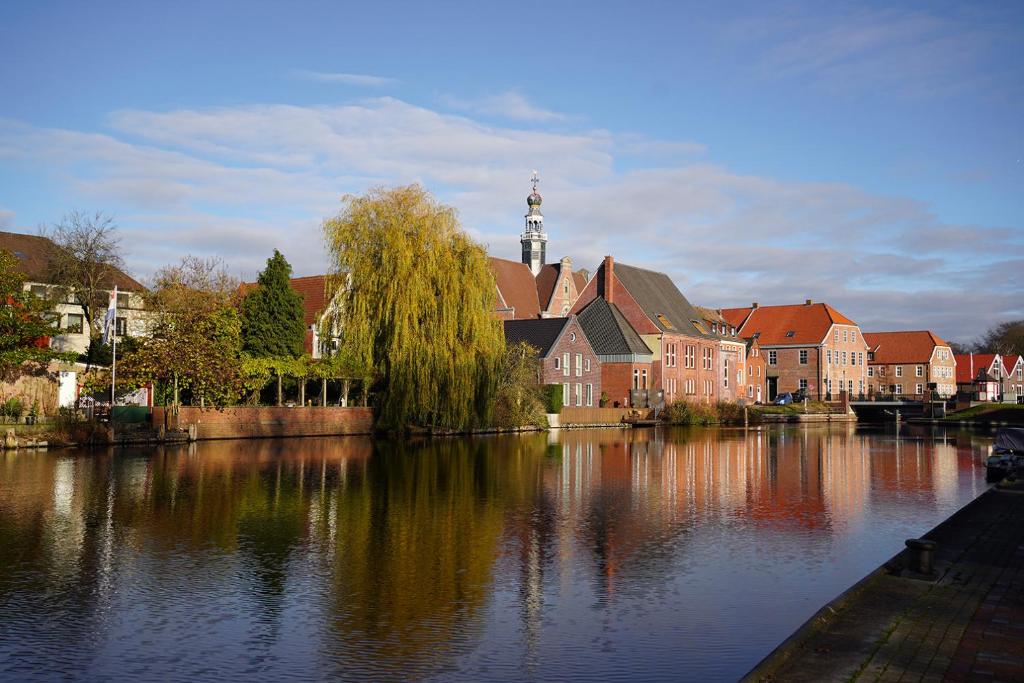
<point x="966" y="622"/>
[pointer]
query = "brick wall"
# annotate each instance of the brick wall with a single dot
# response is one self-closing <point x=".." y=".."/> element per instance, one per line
<point x="617" y="380"/>
<point x="261" y="422"/>
<point x="574" y="342"/>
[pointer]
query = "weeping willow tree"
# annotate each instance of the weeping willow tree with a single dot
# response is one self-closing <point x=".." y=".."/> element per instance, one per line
<point x="417" y="309"/>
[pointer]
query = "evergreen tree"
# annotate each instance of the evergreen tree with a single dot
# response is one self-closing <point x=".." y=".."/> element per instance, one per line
<point x="273" y="324"/>
<point x="418" y="309"/>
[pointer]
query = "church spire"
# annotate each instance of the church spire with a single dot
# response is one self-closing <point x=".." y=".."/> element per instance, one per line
<point x="534" y="239"/>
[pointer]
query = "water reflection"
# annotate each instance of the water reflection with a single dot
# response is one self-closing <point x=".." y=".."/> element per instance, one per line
<point x="591" y="553"/>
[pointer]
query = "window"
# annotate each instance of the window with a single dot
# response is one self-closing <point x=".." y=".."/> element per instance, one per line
<point x="853" y="335"/>
<point x="565" y="364"/>
<point x="558" y="363"/>
<point x="750" y="391"/>
<point x="790" y="333"/>
<point x="773" y="357"/>
<point x="803" y="384"/>
<point x="899" y="370"/>
<point x="919" y="372"/>
<point x="120" y="326"/>
<point x="579" y="394"/>
<point x="1020" y="373"/>
<point x="586" y="365"/>
<point x="726" y="373"/>
<point x="844" y="358"/>
<point x="643" y="377"/>
<point x="636" y="378"/>
<point x="691" y="387"/>
<point x="828" y="356"/>
<point x="860" y="358"/>
<point x="74" y="324"/>
<point x="39" y="291"/>
<point x="845" y="337"/>
<point x="579" y="365"/>
<point x="803" y="356"/>
<point x="853" y="357"/>
<point x="670" y="355"/>
<point x="881" y="371"/>
<point x="122" y="300"/>
<point x="690" y="357"/>
<point x="918" y="388"/>
<point x="590" y="395"/>
<point x="898" y="390"/>
<point x="565" y="394"/>
<point x="836" y="336"/>
<point x="572" y="336"/>
<point x="871" y="356"/>
<point x="871" y="371"/>
<point x="850" y="386"/>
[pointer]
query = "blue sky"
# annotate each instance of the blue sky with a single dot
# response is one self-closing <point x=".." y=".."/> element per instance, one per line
<point x="866" y="154"/>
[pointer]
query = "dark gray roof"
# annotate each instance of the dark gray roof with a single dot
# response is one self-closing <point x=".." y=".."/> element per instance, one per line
<point x="608" y="331"/>
<point x="540" y="333"/>
<point x="661" y="300"/>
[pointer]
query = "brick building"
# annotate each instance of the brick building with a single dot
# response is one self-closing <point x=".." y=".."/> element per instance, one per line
<point x="756" y="374"/>
<point x="907" y="362"/>
<point x="626" y="361"/>
<point x="810" y="346"/>
<point x="565" y="356"/>
<point x="685" y="354"/>
<point x="732" y="355"/>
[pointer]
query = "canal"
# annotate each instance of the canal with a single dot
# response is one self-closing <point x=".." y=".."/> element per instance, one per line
<point x="605" y="554"/>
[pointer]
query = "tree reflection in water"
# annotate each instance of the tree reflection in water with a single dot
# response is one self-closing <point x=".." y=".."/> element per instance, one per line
<point x="351" y="558"/>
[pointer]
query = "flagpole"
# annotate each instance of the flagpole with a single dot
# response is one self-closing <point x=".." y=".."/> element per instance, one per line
<point x="113" y="365"/>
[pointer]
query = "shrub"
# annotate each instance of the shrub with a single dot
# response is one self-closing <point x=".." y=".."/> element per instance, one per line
<point x="12" y="408"/>
<point x="686" y="413"/>
<point x="553" y="398"/>
<point x="604" y="400"/>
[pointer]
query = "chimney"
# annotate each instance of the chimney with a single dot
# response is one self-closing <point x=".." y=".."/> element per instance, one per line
<point x="754" y="305"/>
<point x="608" y="279"/>
<point x="809" y="302"/>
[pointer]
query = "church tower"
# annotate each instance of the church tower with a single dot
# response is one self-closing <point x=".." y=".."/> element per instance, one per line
<point x="534" y="239"/>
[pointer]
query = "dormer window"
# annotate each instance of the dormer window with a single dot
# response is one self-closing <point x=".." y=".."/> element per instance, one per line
<point x="790" y="333"/>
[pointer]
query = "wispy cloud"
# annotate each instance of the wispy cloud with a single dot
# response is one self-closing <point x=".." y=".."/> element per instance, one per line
<point x="912" y="52"/>
<point x="508" y="105"/>
<point x="343" y="78"/>
<point x="239" y="181"/>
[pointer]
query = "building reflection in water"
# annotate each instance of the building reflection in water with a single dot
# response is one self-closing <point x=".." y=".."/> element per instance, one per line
<point x="357" y="559"/>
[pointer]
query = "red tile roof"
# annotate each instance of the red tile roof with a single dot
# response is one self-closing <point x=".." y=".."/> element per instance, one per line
<point x="517" y="287"/>
<point x="314" y="295"/>
<point x="969" y="365"/>
<point x="809" y="323"/>
<point x="903" y="347"/>
<point x="547" y="278"/>
<point x="1010" y="362"/>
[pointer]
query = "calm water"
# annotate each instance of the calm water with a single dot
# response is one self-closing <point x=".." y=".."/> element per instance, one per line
<point x="639" y="555"/>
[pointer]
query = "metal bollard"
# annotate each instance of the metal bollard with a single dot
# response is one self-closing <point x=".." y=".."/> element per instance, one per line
<point x="922" y="551"/>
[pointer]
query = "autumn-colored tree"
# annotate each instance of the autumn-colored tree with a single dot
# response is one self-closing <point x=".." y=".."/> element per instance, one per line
<point x="25" y="326"/>
<point x="418" y="309"/>
<point x="195" y="343"/>
<point x="518" y="401"/>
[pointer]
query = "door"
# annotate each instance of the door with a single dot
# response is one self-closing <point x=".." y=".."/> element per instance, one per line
<point x="773" y="387"/>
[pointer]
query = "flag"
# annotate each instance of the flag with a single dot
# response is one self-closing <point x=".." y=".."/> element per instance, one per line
<point x="109" y="320"/>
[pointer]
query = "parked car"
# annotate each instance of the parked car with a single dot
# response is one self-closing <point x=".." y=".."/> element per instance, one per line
<point x="800" y="395"/>
<point x="783" y="399"/>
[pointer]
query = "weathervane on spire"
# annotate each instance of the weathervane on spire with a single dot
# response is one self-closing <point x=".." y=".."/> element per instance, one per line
<point x="535" y="178"/>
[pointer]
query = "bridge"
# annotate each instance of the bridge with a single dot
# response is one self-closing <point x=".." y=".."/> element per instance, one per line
<point x="886" y="409"/>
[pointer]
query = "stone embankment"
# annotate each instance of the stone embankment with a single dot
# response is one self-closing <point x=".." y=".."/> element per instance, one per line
<point x="964" y="621"/>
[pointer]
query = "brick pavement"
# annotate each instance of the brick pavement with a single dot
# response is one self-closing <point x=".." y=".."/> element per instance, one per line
<point x="966" y="626"/>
